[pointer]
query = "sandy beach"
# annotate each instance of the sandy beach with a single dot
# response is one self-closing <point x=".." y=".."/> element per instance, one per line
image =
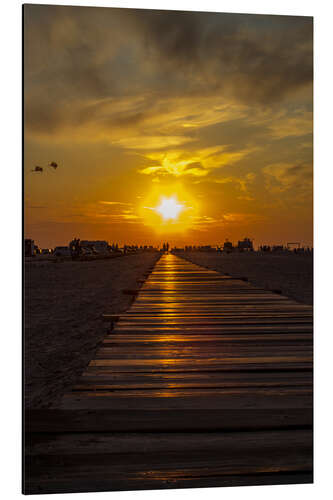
<point x="64" y="302"/>
<point x="290" y="273"/>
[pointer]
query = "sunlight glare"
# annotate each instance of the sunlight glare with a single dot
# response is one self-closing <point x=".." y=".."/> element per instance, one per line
<point x="169" y="208"/>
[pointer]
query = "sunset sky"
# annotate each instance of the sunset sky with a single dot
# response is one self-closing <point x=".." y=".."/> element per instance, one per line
<point x="212" y="111"/>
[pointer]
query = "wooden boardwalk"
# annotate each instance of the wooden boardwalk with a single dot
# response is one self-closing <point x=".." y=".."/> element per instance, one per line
<point x="205" y="381"/>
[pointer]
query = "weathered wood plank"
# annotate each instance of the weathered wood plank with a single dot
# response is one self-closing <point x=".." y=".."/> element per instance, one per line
<point x="83" y="484"/>
<point x="229" y="444"/>
<point x="240" y="398"/>
<point x="155" y="420"/>
<point x="199" y="339"/>
<point x="55" y="460"/>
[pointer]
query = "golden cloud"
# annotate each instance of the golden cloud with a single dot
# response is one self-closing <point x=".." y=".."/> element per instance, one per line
<point x="196" y="163"/>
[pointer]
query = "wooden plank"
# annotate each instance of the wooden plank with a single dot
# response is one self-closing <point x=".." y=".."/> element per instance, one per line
<point x="150" y="420"/>
<point x="189" y="354"/>
<point x="215" y="324"/>
<point x="62" y="461"/>
<point x="188" y="341"/>
<point x="83" y="484"/>
<point x="221" y="361"/>
<point x="221" y="447"/>
<point x="104" y="381"/>
<point x="203" y="339"/>
<point x="208" y="330"/>
<point x="282" y="306"/>
<point x="211" y="299"/>
<point x="205" y="347"/>
<point x="134" y="317"/>
<point x="240" y="398"/>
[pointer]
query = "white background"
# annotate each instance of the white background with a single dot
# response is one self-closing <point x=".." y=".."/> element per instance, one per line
<point x="10" y="259"/>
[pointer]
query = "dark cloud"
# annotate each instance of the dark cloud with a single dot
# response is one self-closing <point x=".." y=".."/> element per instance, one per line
<point x="281" y="177"/>
<point x="302" y="172"/>
<point x="77" y="57"/>
<point x="256" y="58"/>
<point x="235" y="134"/>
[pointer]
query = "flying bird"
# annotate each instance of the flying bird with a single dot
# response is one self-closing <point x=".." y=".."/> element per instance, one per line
<point x="52" y="164"/>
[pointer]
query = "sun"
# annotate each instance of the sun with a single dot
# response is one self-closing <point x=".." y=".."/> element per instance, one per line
<point x="169" y="208"/>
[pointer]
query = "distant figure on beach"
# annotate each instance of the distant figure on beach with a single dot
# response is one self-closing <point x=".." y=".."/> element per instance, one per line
<point x="75" y="248"/>
<point x="165" y="247"/>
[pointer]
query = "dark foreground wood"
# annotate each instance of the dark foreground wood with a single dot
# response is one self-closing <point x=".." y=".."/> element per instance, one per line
<point x="121" y="461"/>
<point x="205" y="381"/>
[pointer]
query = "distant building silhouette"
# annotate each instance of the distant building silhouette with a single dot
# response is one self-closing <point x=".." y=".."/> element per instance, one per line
<point x="228" y="246"/>
<point x="245" y="245"/>
<point x="29" y="247"/>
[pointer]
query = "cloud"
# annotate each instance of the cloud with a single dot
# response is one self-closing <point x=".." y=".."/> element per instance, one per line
<point x="283" y="122"/>
<point x="114" y="203"/>
<point x="143" y="122"/>
<point x="206" y="223"/>
<point x="119" y="218"/>
<point x="173" y="164"/>
<point x="196" y="163"/>
<point x="105" y="74"/>
<point x="246" y="198"/>
<point x="111" y="211"/>
<point x="36" y="206"/>
<point x="242" y="182"/>
<point x="150" y="143"/>
<point x="281" y="177"/>
<point x="253" y="57"/>
<point x="289" y="126"/>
